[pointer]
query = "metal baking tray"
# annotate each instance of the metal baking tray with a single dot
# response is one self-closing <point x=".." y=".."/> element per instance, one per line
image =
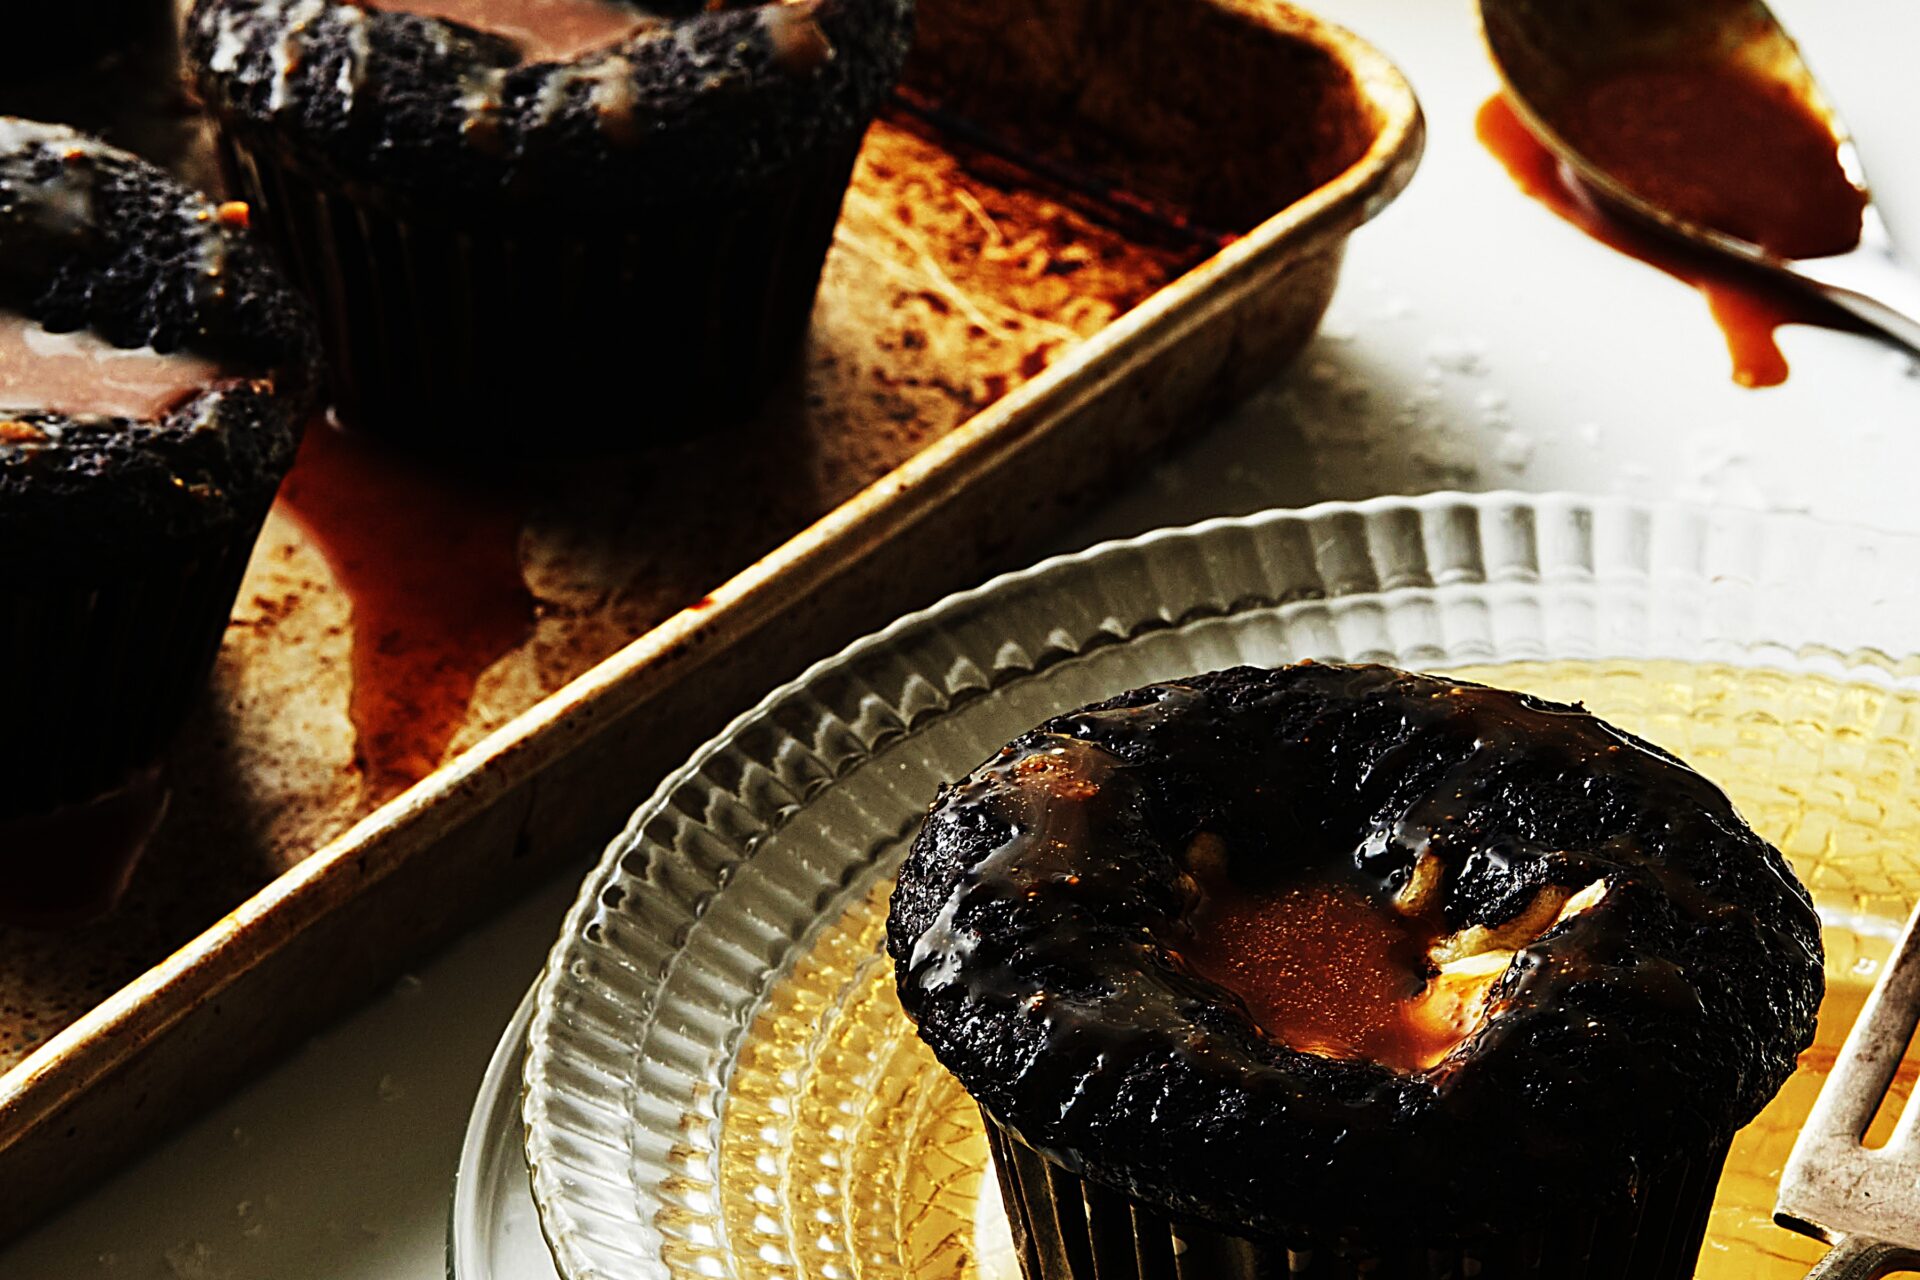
<point x="1083" y="228"/>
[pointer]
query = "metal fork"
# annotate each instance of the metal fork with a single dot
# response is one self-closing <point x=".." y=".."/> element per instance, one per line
<point x="1865" y="1203"/>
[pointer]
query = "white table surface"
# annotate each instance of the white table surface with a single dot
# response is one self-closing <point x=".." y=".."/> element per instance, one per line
<point x="1477" y="342"/>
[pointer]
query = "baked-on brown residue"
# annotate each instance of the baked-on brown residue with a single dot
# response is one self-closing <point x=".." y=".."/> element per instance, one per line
<point x="431" y="564"/>
<point x="1747" y="306"/>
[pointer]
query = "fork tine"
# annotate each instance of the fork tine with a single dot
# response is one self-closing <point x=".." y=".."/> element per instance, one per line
<point x="1905" y="1132"/>
<point x="1833" y="1187"/>
<point x="1874" y="1048"/>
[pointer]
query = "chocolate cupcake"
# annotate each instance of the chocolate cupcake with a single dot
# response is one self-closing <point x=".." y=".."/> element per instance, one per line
<point x="155" y="373"/>
<point x="516" y="212"/>
<point x="1337" y="971"/>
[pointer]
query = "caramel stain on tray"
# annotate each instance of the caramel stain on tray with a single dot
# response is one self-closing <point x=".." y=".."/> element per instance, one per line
<point x="1748" y="307"/>
<point x="431" y="564"/>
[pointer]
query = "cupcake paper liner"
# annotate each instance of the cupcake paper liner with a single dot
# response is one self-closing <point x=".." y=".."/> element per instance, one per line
<point x="1066" y="1228"/>
<point x="72" y="864"/>
<point x="608" y="332"/>
<point x="107" y="666"/>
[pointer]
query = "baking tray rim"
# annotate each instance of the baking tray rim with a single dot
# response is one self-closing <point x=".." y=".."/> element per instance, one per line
<point x="116" y="1030"/>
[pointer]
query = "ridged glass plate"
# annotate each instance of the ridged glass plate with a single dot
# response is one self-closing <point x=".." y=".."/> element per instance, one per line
<point x="718" y="1083"/>
<point x="493" y="1232"/>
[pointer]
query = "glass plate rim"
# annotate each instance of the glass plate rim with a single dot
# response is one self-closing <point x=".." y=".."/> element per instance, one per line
<point x="589" y="1241"/>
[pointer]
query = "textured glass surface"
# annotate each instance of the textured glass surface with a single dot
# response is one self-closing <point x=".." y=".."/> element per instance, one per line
<point x="716" y="1082"/>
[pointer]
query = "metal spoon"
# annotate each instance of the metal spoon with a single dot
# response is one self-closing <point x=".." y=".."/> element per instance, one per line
<point x="1547" y="49"/>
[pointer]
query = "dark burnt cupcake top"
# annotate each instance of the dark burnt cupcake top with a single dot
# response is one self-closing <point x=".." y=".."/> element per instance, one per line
<point x="155" y="370"/>
<point x="566" y="106"/>
<point x="1344" y="949"/>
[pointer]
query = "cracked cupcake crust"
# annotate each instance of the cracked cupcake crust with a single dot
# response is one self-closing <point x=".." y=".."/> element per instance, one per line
<point x="95" y="239"/>
<point x="1635" y="970"/>
<point x="697" y="102"/>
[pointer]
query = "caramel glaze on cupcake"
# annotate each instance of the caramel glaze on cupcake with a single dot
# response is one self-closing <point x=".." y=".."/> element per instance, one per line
<point x="582" y="207"/>
<point x="155" y="374"/>
<point x="1373" y="973"/>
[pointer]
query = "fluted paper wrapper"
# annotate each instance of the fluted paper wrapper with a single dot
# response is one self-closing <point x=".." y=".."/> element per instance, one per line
<point x="107" y="665"/>
<point x="585" y="332"/>
<point x="1066" y="1228"/>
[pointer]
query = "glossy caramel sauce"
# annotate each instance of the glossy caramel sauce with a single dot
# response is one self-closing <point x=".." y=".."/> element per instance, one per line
<point x="1747" y="306"/>
<point x="1323" y="968"/>
<point x="545" y="30"/>
<point x="1725" y="147"/>
<point x="82" y="375"/>
<point x="431" y="564"/>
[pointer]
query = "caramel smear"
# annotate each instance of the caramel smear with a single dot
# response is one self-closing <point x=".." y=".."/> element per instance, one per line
<point x="83" y="375"/>
<point x="545" y="30"/>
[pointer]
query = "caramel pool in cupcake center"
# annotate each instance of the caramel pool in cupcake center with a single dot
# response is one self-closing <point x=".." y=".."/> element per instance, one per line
<point x="1328" y="969"/>
<point x="545" y="30"/>
<point x="82" y="375"/>
<point x="1324" y="969"/>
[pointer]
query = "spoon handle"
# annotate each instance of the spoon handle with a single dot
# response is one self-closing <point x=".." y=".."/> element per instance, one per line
<point x="1874" y="285"/>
